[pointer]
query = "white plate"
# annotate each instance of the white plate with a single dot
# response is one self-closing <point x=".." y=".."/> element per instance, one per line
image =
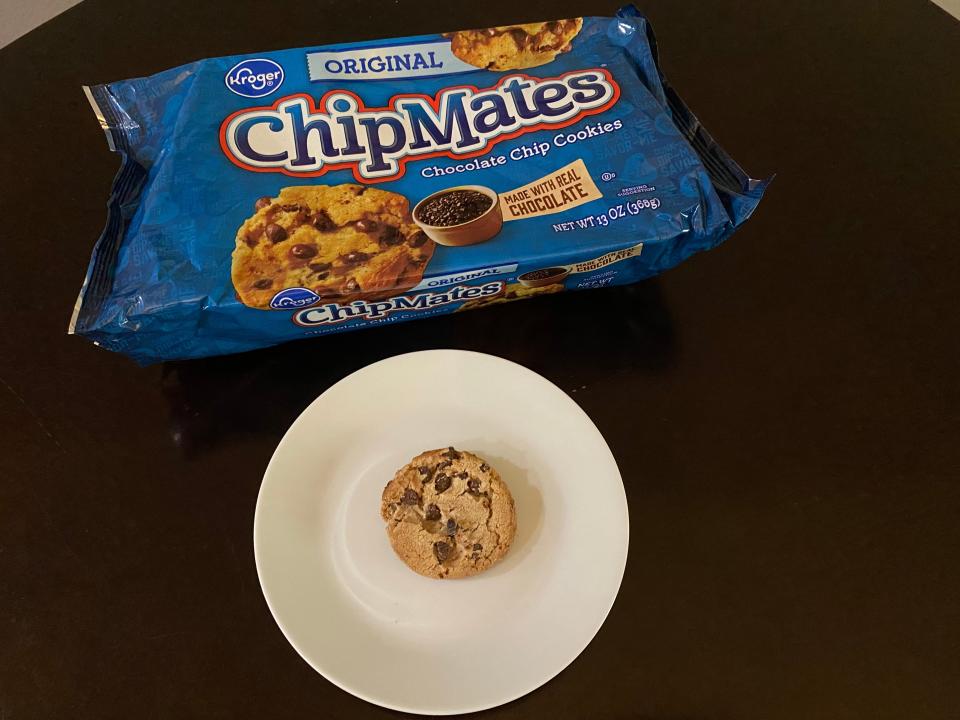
<point x="376" y="629"/>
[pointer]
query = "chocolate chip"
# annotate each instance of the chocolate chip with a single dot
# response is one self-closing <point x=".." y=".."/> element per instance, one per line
<point x="290" y="207"/>
<point x="391" y="235"/>
<point x="454" y="207"/>
<point x="432" y="513"/>
<point x="463" y="475"/>
<point x="451" y="528"/>
<point x="442" y="550"/>
<point x="366" y="225"/>
<point x="275" y="233"/>
<point x="477" y="546"/>
<point x="263" y="283"/>
<point x="418" y="238"/>
<point x="319" y="267"/>
<point x="423" y="470"/>
<point x="303" y="252"/>
<point x="251" y="239"/>
<point x="484" y="467"/>
<point x="410" y="497"/>
<point x="351" y="286"/>
<point x="355" y="257"/>
<point x="520" y="37"/>
<point x="441" y="483"/>
<point x="323" y="275"/>
<point x="322" y="221"/>
<point x="451" y="453"/>
<point x="445" y="463"/>
<point x="473" y="486"/>
<point x="261" y="203"/>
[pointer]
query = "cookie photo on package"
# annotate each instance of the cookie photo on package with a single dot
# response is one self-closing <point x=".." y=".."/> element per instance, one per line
<point x="274" y="196"/>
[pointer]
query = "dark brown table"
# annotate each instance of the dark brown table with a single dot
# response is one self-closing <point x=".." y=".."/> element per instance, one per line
<point x="784" y="409"/>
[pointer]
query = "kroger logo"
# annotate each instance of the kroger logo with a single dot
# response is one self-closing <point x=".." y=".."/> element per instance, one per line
<point x="293" y="298"/>
<point x="254" y="78"/>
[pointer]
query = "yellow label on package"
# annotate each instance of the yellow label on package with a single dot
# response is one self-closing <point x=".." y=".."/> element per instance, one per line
<point x="608" y="259"/>
<point x="561" y="190"/>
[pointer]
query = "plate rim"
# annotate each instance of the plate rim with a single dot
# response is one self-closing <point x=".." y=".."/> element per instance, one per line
<point x="621" y="569"/>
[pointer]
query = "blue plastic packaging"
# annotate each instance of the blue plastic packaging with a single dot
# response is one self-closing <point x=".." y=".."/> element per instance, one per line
<point x="590" y="172"/>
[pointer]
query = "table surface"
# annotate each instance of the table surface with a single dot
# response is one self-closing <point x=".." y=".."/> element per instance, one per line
<point x="784" y="409"/>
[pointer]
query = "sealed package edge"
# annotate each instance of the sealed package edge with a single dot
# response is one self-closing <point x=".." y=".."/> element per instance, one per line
<point x="273" y="196"/>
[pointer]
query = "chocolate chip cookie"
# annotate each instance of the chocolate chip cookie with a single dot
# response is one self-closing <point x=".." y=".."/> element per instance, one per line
<point x="448" y="514"/>
<point x="509" y="47"/>
<point x="344" y="242"/>
<point x="513" y="291"/>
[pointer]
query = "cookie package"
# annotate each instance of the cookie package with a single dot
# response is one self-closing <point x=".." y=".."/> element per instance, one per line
<point x="274" y="196"/>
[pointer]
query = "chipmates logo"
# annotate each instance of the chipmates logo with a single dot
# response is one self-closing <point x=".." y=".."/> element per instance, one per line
<point x="335" y="312"/>
<point x="302" y="137"/>
<point x="254" y="78"/>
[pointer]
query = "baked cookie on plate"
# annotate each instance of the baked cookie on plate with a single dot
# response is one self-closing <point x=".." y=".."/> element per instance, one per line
<point x="448" y="514"/>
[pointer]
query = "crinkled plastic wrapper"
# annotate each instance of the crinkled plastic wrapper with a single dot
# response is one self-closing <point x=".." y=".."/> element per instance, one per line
<point x="275" y="196"/>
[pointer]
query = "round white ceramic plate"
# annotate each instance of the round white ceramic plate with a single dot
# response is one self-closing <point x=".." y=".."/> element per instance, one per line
<point x="376" y="629"/>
